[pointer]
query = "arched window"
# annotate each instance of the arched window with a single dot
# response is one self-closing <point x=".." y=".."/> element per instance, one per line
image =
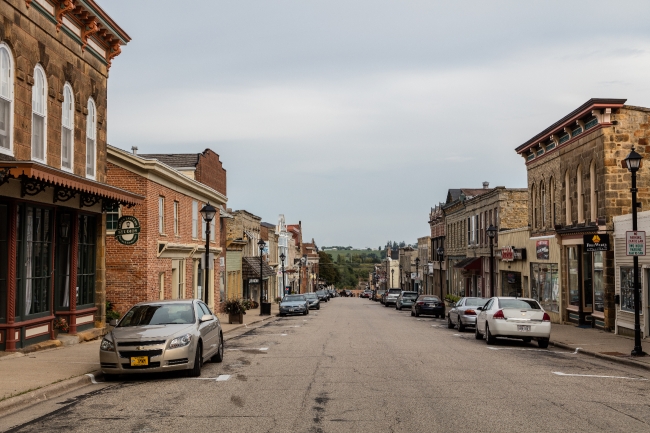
<point x="593" y="198"/>
<point x="567" y="199"/>
<point x="67" y="128"/>
<point x="39" y="115"/>
<point x="533" y="195"/>
<point x="542" y="203"/>
<point x="91" y="141"/>
<point x="551" y="185"/>
<point x="6" y="99"/>
<point x="581" y="195"/>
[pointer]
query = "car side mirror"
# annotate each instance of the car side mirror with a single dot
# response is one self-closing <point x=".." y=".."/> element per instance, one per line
<point x="480" y="308"/>
<point x="206" y="318"/>
<point x="113" y="322"/>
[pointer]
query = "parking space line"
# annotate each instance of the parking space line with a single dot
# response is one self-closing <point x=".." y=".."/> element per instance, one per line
<point x="559" y="373"/>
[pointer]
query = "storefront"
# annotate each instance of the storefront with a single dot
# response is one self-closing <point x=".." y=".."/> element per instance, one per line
<point x="51" y="251"/>
<point x="251" y="275"/>
<point x="471" y="271"/>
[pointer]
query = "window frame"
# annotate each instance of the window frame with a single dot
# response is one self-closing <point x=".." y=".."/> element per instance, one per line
<point x="195" y="219"/>
<point x="68" y="87"/>
<point x="40" y="72"/>
<point x="91" y="125"/>
<point x="10" y="84"/>
<point x="161" y="215"/>
<point x="111" y="212"/>
<point x="176" y="219"/>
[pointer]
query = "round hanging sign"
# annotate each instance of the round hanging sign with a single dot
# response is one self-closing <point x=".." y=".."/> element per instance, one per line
<point x="127" y="231"/>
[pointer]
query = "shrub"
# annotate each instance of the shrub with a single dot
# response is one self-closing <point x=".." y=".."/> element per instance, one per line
<point x="235" y="306"/>
<point x="111" y="313"/>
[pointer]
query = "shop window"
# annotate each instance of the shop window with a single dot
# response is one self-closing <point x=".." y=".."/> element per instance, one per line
<point x="574" y="281"/>
<point x="510" y="283"/>
<point x="599" y="288"/>
<point x="544" y="285"/>
<point x="62" y="261"/>
<point x="86" y="262"/>
<point x="91" y="139"/>
<point x="4" y="259"/>
<point x="39" y="115"/>
<point x="627" y="289"/>
<point x="6" y="100"/>
<point x="67" y="128"/>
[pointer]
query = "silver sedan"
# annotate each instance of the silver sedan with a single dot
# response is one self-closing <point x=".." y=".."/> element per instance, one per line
<point x="464" y="312"/>
<point x="162" y="336"/>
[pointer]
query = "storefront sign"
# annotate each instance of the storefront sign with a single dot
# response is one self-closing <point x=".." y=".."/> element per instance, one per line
<point x="253" y="280"/>
<point x="596" y="242"/>
<point x="507" y="254"/>
<point x="542" y="250"/>
<point x="128" y="229"/>
<point x="635" y="242"/>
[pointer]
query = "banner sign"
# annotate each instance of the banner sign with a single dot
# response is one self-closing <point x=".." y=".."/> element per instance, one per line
<point x="507" y="254"/>
<point x="596" y="242"/>
<point x="635" y="243"/>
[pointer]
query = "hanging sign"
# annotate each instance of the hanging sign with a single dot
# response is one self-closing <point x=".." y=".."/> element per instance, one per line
<point x="635" y="243"/>
<point x="507" y="254"/>
<point x="542" y="250"/>
<point x="128" y="229"/>
<point x="594" y="243"/>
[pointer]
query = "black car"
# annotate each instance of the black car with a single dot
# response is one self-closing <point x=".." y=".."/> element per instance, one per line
<point x="322" y="296"/>
<point x="428" y="304"/>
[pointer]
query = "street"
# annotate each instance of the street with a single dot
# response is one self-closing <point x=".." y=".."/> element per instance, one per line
<point x="359" y="367"/>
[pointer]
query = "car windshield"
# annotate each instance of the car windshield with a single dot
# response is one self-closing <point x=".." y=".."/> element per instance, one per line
<point x="519" y="303"/>
<point x="475" y="302"/>
<point x="429" y="299"/>
<point x="394" y="291"/>
<point x="410" y="295"/>
<point x="311" y="296"/>
<point x="158" y="314"/>
<point x="294" y="298"/>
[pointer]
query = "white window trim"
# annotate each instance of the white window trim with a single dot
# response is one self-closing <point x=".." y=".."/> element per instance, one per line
<point x="177" y="223"/>
<point x="10" y="151"/>
<point x="161" y="215"/>
<point x="42" y="71"/>
<point x="119" y="215"/>
<point x="195" y="219"/>
<point x="71" y="169"/>
<point x="93" y="125"/>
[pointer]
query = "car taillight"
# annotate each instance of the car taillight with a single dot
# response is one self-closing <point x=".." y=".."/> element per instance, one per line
<point x="499" y="315"/>
<point x="420" y="303"/>
<point x="470" y="312"/>
<point x="546" y="318"/>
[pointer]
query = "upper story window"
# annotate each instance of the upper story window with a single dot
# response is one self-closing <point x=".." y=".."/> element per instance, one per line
<point x="6" y="99"/>
<point x="195" y="218"/>
<point x="161" y="215"/>
<point x="67" y="128"/>
<point x="593" y="122"/>
<point x="39" y="115"/>
<point x="564" y="138"/>
<point x="91" y="141"/>
<point x="176" y="219"/>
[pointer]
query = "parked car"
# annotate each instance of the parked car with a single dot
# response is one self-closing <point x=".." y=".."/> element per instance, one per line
<point x="312" y="299"/>
<point x="294" y="304"/>
<point x="521" y="318"/>
<point x="366" y="294"/>
<point x="322" y="296"/>
<point x="154" y="337"/>
<point x="391" y="297"/>
<point x="428" y="304"/>
<point x="376" y="295"/>
<point x="405" y="300"/>
<point x="463" y="313"/>
<point x="349" y="293"/>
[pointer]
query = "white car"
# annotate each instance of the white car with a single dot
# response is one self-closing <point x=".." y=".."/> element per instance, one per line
<point x="521" y="318"/>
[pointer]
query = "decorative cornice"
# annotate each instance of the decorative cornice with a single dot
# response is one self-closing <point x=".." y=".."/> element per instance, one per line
<point x="90" y="28"/>
<point x="63" y="7"/>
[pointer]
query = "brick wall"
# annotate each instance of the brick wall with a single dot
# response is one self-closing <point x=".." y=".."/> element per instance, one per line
<point x="210" y="172"/>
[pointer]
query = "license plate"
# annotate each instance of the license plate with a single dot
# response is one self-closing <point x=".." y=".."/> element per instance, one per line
<point x="290" y="309"/>
<point x="139" y="361"/>
<point x="429" y="305"/>
<point x="524" y="328"/>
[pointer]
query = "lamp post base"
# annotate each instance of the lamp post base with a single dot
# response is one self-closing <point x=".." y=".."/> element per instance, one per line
<point x="638" y="351"/>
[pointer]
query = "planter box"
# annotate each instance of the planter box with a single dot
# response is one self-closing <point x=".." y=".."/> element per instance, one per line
<point x="236" y="318"/>
<point x="266" y="309"/>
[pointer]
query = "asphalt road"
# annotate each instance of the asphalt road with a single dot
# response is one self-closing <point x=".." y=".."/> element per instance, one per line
<point x="355" y="366"/>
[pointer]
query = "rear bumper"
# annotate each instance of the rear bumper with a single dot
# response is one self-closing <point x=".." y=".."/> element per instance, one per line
<point x="503" y="328"/>
<point x="432" y="310"/>
<point x="468" y="320"/>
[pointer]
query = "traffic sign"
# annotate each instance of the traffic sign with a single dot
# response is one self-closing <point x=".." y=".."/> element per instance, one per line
<point x="635" y="243"/>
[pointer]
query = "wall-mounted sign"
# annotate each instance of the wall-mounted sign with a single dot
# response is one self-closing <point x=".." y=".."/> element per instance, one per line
<point x="510" y="254"/>
<point x="507" y="254"/>
<point x="542" y="250"/>
<point x="596" y="242"/>
<point x="635" y="242"/>
<point x="128" y="229"/>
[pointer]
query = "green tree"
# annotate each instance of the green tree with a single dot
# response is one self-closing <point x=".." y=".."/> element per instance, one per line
<point x="327" y="269"/>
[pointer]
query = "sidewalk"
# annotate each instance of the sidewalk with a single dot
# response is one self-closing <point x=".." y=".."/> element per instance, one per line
<point x="44" y="374"/>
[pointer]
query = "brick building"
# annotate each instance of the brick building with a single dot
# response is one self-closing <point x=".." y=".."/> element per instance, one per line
<point x="166" y="261"/>
<point x="53" y="191"/>
<point x="577" y="186"/>
<point x="438" y="275"/>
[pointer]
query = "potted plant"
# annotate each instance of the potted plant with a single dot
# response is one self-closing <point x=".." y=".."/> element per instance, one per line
<point x="60" y="325"/>
<point x="236" y="308"/>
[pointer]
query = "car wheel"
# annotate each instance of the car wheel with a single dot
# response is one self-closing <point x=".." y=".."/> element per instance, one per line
<point x="318" y="308"/>
<point x="461" y="327"/>
<point x="218" y="357"/>
<point x="417" y="313"/>
<point x="198" y="360"/>
<point x="489" y="338"/>
<point x="282" y="314"/>
<point x="542" y="343"/>
<point x="477" y="334"/>
<point x="412" y="313"/>
<point x="386" y="305"/>
<point x="111" y="377"/>
<point x="450" y="324"/>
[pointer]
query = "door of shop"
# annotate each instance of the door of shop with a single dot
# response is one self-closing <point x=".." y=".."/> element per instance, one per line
<point x="586" y="286"/>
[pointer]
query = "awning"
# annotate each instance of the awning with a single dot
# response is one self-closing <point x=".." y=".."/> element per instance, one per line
<point x="35" y="177"/>
<point x="251" y="268"/>
<point x="469" y="263"/>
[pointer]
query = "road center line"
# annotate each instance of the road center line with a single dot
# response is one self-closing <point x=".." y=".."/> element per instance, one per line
<point x="559" y="373"/>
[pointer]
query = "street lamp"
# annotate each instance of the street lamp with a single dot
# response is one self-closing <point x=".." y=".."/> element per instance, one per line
<point x="261" y="244"/>
<point x="633" y="162"/>
<point x="207" y="212"/>
<point x="417" y="274"/>
<point x="441" y="252"/>
<point x="284" y="284"/>
<point x="401" y="277"/>
<point x="392" y="273"/>
<point x="491" y="232"/>
<point x="300" y="263"/>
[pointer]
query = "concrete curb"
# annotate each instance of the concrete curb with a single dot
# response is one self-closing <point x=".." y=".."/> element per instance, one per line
<point x="265" y="319"/>
<point x="14" y="404"/>
<point x="624" y="361"/>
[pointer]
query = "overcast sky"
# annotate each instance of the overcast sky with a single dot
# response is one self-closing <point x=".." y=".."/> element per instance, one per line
<point x="356" y="116"/>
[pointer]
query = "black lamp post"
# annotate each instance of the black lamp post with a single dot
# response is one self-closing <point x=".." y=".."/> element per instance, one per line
<point x="284" y="284"/>
<point x="392" y="273"/>
<point x="401" y="277"/>
<point x="207" y="212"/>
<point x="302" y="259"/>
<point x="417" y="275"/>
<point x="633" y="162"/>
<point x="491" y="232"/>
<point x="261" y="244"/>
<point x="441" y="252"/>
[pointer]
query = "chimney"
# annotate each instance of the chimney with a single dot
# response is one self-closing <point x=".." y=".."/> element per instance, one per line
<point x="486" y="185"/>
<point x="134" y="149"/>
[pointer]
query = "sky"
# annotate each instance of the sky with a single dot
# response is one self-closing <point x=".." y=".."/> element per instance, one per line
<point x="356" y="116"/>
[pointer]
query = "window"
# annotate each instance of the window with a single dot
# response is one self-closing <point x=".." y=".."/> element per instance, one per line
<point x="67" y="128"/>
<point x="564" y="139"/>
<point x="599" y="287"/>
<point x="533" y="196"/>
<point x="213" y="228"/>
<point x="161" y="285"/>
<point x="567" y="199"/>
<point x="469" y="232"/>
<point x="581" y="195"/>
<point x="91" y="141"/>
<point x="161" y="215"/>
<point x="39" y="115"/>
<point x="202" y="228"/>
<point x="475" y="240"/>
<point x="542" y="200"/>
<point x="112" y="216"/>
<point x="593" y="201"/>
<point x="590" y="124"/>
<point x="627" y="289"/>
<point x="176" y="218"/>
<point x="4" y="259"/>
<point x="544" y="285"/>
<point x="6" y="100"/>
<point x="574" y="281"/>
<point x="86" y="261"/>
<point x="195" y="218"/>
<point x="551" y="184"/>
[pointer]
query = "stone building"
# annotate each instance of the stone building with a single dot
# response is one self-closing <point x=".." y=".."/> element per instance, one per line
<point x="438" y="266"/>
<point x="407" y="256"/>
<point x="168" y="259"/>
<point x="577" y="186"/>
<point x="268" y="234"/>
<point x="310" y="253"/>
<point x="425" y="277"/>
<point x="54" y="62"/>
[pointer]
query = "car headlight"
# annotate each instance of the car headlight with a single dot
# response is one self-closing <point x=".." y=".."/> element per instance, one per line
<point x="181" y="341"/>
<point x="107" y="345"/>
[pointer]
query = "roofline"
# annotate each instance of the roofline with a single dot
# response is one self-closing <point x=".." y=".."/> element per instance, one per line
<point x="107" y="20"/>
<point x="572" y="116"/>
